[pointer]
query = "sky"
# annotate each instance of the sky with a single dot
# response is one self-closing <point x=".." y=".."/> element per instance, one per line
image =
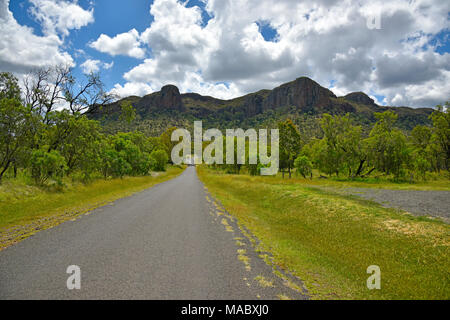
<point x="397" y="52"/>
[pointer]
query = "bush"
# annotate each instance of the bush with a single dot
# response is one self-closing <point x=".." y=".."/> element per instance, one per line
<point x="304" y="166"/>
<point x="421" y="166"/>
<point x="45" y="165"/>
<point x="158" y="160"/>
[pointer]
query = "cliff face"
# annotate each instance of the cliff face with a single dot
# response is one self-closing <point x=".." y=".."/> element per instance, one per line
<point x="303" y="93"/>
<point x="360" y="97"/>
<point x="301" y="96"/>
<point x="169" y="98"/>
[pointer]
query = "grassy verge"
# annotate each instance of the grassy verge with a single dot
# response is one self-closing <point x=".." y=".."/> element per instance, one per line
<point x="329" y="240"/>
<point x="435" y="182"/>
<point x="25" y="209"/>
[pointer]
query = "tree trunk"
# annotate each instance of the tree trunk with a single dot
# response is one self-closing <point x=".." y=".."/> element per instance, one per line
<point x="4" y="170"/>
<point x="361" y="164"/>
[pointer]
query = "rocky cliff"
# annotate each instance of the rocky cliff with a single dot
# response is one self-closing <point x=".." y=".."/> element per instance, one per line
<point x="301" y="96"/>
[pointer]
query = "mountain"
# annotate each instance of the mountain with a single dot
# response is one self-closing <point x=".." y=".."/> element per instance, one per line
<point x="303" y="100"/>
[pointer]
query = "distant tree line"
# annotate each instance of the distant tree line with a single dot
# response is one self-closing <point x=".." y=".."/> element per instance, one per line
<point x="345" y="151"/>
<point x="45" y="132"/>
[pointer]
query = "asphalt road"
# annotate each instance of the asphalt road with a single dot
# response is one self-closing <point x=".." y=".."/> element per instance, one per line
<point x="171" y="241"/>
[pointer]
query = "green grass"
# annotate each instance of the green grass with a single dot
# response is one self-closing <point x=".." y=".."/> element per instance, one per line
<point x="329" y="240"/>
<point x="25" y="209"/>
<point x="434" y="181"/>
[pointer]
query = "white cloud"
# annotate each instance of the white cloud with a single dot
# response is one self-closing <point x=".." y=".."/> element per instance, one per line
<point x="127" y="44"/>
<point x="108" y="66"/>
<point x="132" y="89"/>
<point x="93" y="66"/>
<point x="60" y="16"/>
<point x="325" y="40"/>
<point x="21" y="50"/>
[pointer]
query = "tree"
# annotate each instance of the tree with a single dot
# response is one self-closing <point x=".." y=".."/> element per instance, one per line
<point x="421" y="166"/>
<point x="343" y="145"/>
<point x="45" y="165"/>
<point x="290" y="144"/>
<point x="48" y="88"/>
<point x="303" y="166"/>
<point x="420" y="138"/>
<point x="9" y="86"/>
<point x="441" y="131"/>
<point x="424" y="153"/>
<point x="387" y="145"/>
<point x="159" y="160"/>
<point x="128" y="113"/>
<point x="166" y="140"/>
<point x="15" y="122"/>
<point x="139" y="161"/>
<point x="77" y="138"/>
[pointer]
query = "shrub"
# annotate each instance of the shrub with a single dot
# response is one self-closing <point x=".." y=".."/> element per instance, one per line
<point x="158" y="160"/>
<point x="304" y="166"/>
<point x="45" y="165"/>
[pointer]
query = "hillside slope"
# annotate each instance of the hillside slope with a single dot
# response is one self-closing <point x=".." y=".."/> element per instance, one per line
<point x="303" y="100"/>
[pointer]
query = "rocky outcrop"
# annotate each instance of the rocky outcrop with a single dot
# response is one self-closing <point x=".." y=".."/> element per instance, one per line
<point x="169" y="98"/>
<point x="360" y="97"/>
<point x="303" y="93"/>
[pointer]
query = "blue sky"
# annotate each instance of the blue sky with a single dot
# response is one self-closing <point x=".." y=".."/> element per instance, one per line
<point x="227" y="49"/>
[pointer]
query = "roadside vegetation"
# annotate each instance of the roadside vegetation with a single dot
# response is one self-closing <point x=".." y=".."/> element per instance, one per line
<point x="54" y="159"/>
<point x="22" y="202"/>
<point x="328" y="240"/>
<point x="342" y="151"/>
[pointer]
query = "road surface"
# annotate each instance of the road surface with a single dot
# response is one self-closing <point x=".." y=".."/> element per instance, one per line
<point x="171" y="241"/>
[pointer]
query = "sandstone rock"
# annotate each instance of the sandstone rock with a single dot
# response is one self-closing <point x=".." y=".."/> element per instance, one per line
<point x="303" y="93"/>
<point x="360" y="97"/>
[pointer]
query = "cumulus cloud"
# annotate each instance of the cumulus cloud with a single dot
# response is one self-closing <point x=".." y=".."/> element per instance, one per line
<point x="22" y="50"/>
<point x="94" y="66"/>
<point x="132" y="89"/>
<point x="60" y="16"/>
<point x="326" y="40"/>
<point x="127" y="44"/>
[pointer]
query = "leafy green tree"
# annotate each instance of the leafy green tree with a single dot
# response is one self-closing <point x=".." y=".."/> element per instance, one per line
<point x="421" y="137"/>
<point x="441" y="132"/>
<point x="45" y="165"/>
<point x="424" y="153"/>
<point x="159" y="160"/>
<point x="303" y="166"/>
<point x="421" y="166"/>
<point x="15" y="122"/>
<point x="166" y="139"/>
<point x="290" y="144"/>
<point x="138" y="161"/>
<point x="128" y="113"/>
<point x="323" y="159"/>
<point x="333" y="152"/>
<point x="9" y="86"/>
<point x="77" y="138"/>
<point x="387" y="145"/>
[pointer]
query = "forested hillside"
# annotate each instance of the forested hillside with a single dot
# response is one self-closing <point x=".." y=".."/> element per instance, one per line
<point x="302" y="100"/>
